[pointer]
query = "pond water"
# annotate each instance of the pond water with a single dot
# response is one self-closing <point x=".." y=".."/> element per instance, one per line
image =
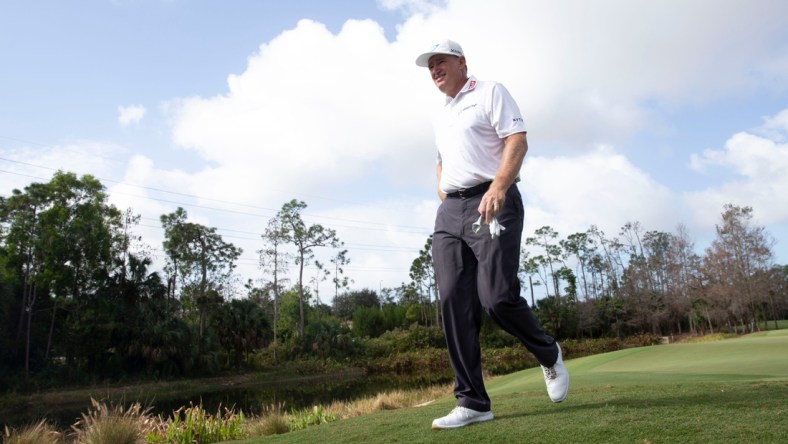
<point x="253" y="398"/>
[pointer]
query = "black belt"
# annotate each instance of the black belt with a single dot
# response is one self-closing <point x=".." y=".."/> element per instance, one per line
<point x="469" y="192"/>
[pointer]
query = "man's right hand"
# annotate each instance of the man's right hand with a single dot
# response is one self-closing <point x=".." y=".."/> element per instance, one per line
<point x="438" y="171"/>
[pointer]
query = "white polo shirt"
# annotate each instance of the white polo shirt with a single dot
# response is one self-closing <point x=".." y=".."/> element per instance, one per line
<point x="469" y="133"/>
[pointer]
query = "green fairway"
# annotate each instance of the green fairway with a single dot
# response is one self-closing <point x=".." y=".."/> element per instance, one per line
<point x="734" y="390"/>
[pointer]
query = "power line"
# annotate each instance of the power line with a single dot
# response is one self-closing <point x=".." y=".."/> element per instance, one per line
<point x="261" y="212"/>
<point x="399" y="228"/>
<point x="354" y="246"/>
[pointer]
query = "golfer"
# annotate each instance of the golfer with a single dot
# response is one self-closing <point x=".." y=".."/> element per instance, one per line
<point x="480" y="136"/>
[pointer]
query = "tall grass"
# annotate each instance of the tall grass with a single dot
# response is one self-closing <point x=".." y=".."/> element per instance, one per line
<point x="301" y="419"/>
<point x="39" y="433"/>
<point x="271" y="422"/>
<point x="106" y="424"/>
<point x="275" y="420"/>
<point x="194" y="424"/>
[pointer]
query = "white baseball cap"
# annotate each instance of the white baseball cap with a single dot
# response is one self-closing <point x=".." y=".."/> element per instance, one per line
<point x="443" y="47"/>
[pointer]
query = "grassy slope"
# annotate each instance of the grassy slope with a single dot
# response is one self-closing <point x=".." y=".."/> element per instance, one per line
<point x="734" y="390"/>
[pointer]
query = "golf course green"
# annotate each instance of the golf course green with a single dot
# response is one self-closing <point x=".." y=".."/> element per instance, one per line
<point x="728" y="391"/>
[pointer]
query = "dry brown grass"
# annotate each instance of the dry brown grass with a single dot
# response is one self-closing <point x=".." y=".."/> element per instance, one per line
<point x="276" y="419"/>
<point x="272" y="421"/>
<point x="391" y="400"/>
<point x="273" y="424"/>
<point x="712" y="337"/>
<point x="105" y="424"/>
<point x="39" y="433"/>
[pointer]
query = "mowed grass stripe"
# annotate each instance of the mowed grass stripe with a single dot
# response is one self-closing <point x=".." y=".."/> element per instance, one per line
<point x="734" y="390"/>
<point x="756" y="357"/>
<point x="760" y="356"/>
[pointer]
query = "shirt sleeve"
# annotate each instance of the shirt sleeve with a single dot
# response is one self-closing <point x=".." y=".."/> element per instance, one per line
<point x="505" y="115"/>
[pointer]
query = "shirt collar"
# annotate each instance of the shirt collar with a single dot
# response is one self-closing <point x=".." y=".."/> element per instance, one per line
<point x="470" y="85"/>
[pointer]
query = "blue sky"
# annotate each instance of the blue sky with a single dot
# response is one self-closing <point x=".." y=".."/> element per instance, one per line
<point x="657" y="112"/>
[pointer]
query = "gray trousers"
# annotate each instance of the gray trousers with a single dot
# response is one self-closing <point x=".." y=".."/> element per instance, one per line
<point x="475" y="273"/>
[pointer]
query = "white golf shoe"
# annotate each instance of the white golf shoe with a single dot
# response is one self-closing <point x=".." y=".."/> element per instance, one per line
<point x="557" y="379"/>
<point x="461" y="417"/>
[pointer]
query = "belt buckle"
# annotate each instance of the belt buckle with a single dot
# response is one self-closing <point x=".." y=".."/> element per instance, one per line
<point x="462" y="193"/>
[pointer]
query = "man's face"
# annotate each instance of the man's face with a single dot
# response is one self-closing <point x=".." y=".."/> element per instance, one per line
<point x="448" y="73"/>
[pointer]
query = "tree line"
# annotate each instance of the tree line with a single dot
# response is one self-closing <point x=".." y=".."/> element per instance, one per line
<point x="79" y="300"/>
<point x="655" y="282"/>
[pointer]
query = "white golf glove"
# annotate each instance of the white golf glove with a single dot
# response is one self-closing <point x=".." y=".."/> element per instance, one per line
<point x="495" y="227"/>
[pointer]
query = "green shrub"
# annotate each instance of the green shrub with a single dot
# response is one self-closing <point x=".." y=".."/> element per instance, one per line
<point x="404" y="352"/>
<point x="504" y="360"/>
<point x="404" y="340"/>
<point x="499" y="361"/>
<point x="497" y="338"/>
<point x="193" y="424"/>
<point x="303" y="418"/>
<point x="420" y="336"/>
<point x="424" y="361"/>
<point x="642" y="340"/>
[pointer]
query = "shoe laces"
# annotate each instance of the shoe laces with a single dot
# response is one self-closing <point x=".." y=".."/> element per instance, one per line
<point x="459" y="411"/>
<point x="549" y="373"/>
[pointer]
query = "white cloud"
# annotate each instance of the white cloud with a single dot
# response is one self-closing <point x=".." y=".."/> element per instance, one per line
<point x="776" y="127"/>
<point x="317" y="109"/>
<point x="412" y="7"/>
<point x="759" y="165"/>
<point x="600" y="187"/>
<point x="592" y="72"/>
<point x="128" y="115"/>
<point x="346" y="116"/>
<point x="312" y="110"/>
